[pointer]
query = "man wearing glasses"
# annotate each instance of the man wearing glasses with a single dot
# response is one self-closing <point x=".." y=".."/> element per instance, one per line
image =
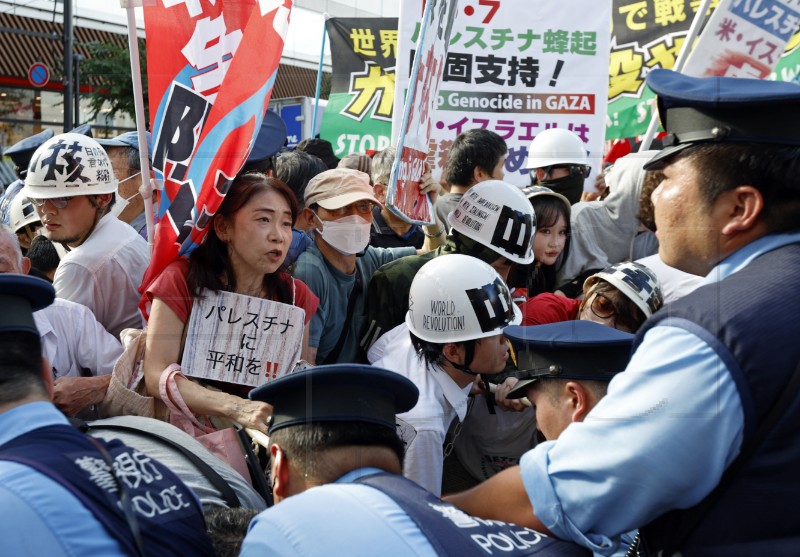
<point x="340" y="263"/>
<point x="621" y="296"/>
<point x="71" y="183"/>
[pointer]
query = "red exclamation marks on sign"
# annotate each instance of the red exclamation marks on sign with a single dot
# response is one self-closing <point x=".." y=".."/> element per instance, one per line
<point x="271" y="370"/>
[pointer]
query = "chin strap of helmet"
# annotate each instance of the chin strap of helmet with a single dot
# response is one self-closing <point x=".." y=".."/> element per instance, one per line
<point x="469" y="355"/>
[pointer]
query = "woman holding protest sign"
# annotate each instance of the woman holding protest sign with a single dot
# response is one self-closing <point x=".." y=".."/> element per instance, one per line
<point x="229" y="314"/>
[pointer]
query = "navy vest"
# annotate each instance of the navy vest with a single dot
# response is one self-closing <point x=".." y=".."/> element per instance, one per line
<point x="170" y="520"/>
<point x="452" y="532"/>
<point x="752" y="321"/>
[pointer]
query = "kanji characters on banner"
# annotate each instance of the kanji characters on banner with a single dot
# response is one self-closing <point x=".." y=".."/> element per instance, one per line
<point x="358" y="116"/>
<point x="517" y="71"/>
<point x="744" y="39"/>
<point x="649" y="34"/>
<point x="211" y="68"/>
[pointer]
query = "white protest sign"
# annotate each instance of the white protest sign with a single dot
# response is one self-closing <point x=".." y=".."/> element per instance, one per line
<point x="516" y="68"/>
<point x="241" y="339"/>
<point x="744" y="38"/>
<point x="403" y="197"/>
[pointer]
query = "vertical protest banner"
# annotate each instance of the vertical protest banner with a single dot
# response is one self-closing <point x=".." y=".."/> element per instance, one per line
<point x="411" y="137"/>
<point x="744" y="39"/>
<point x="358" y="116"/>
<point x="649" y="34"/>
<point x="211" y="68"/>
<point x="516" y="71"/>
<point x="241" y="339"/>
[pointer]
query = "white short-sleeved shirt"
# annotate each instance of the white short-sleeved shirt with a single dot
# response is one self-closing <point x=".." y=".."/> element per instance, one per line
<point x="440" y="401"/>
<point x="73" y="340"/>
<point x="104" y="274"/>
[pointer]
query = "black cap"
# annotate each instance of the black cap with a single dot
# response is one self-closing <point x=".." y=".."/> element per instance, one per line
<point x="568" y="350"/>
<point x="22" y="151"/>
<point x="321" y="148"/>
<point x="20" y="296"/>
<point x="696" y="110"/>
<point x="337" y="393"/>
<point x="271" y="137"/>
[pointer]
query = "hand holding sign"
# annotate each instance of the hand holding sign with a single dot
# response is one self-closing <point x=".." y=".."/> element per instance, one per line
<point x="428" y="185"/>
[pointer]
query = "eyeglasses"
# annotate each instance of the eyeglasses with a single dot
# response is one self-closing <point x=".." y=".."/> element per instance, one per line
<point x="602" y="306"/>
<point x="361" y="207"/>
<point x="58" y="202"/>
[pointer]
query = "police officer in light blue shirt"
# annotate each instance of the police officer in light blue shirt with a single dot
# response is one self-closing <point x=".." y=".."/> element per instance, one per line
<point x="696" y="443"/>
<point x="336" y="463"/>
<point x="61" y="492"/>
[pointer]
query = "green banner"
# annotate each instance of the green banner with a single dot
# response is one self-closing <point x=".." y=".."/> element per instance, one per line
<point x="358" y="116"/>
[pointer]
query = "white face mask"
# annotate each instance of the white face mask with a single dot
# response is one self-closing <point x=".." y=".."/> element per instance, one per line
<point x="121" y="203"/>
<point x="348" y="235"/>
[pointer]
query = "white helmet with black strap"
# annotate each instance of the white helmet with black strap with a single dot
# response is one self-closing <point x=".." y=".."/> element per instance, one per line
<point x="457" y="298"/>
<point x="499" y="216"/>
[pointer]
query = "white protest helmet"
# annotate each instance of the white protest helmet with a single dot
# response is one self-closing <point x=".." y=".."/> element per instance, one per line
<point x="556" y="146"/>
<point x="67" y="165"/>
<point x="455" y="298"/>
<point x="635" y="281"/>
<point x="21" y="213"/>
<point x="499" y="216"/>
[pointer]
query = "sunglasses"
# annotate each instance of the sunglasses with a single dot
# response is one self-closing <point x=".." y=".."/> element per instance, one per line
<point x="361" y="207"/>
<point x="602" y="306"/>
<point x="58" y="202"/>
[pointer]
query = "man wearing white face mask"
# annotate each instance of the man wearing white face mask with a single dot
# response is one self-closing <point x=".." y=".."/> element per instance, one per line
<point x="339" y="264"/>
<point x="123" y="152"/>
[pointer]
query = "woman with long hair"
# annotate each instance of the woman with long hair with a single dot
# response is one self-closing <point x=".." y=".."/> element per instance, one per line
<point x="550" y="244"/>
<point x="243" y="252"/>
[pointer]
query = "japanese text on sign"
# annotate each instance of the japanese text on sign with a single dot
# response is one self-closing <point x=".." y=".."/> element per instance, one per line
<point x="241" y="339"/>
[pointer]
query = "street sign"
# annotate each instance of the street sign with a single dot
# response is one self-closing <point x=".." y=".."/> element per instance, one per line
<point x="38" y="74"/>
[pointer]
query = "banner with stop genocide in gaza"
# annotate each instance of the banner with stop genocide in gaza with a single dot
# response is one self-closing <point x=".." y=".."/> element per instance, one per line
<point x="516" y="71"/>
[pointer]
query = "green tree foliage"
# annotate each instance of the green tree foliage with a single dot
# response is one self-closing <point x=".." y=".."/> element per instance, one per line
<point x="107" y="70"/>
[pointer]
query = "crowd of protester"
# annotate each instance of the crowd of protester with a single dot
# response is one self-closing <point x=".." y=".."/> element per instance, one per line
<point x="516" y="348"/>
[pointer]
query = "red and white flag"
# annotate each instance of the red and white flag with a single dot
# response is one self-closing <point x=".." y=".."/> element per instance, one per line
<point x="211" y="66"/>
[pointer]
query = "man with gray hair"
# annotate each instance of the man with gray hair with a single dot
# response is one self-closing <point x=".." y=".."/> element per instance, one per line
<point x="123" y="152"/>
<point x="389" y="230"/>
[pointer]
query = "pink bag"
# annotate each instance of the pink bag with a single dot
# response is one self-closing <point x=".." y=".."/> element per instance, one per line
<point x="223" y="443"/>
